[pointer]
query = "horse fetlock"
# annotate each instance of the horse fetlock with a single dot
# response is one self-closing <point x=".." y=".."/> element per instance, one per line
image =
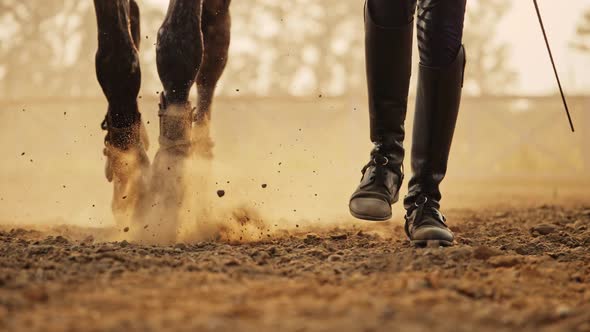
<point x="125" y="149"/>
<point x="201" y="139"/>
<point x="176" y="121"/>
<point x="125" y="138"/>
<point x="128" y="171"/>
<point x="122" y="163"/>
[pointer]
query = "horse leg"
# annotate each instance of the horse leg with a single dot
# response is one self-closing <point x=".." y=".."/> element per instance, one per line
<point x="179" y="55"/>
<point x="216" y="24"/>
<point x="119" y="75"/>
<point x="134" y="21"/>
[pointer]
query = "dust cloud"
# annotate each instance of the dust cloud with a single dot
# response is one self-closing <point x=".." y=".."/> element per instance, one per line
<point x="283" y="165"/>
<point x="257" y="186"/>
<point x="279" y="169"/>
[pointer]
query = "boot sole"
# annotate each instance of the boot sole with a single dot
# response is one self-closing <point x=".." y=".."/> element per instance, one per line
<point x="431" y="243"/>
<point x="370" y="218"/>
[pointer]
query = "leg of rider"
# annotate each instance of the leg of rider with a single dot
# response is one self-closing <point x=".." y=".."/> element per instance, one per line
<point x="388" y="48"/>
<point x="440" y="79"/>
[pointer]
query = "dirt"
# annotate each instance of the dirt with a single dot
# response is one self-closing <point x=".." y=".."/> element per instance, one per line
<point x="287" y="257"/>
<point x="512" y="269"/>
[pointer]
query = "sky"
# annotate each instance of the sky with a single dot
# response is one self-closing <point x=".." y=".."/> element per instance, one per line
<point x="520" y="28"/>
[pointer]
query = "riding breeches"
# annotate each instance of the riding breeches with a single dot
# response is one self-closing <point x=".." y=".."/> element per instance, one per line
<point x="439" y="25"/>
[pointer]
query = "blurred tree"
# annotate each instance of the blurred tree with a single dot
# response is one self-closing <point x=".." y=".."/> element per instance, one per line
<point x="582" y="44"/>
<point x="582" y="39"/>
<point x="487" y="72"/>
<point x="151" y="17"/>
<point x="41" y="46"/>
<point x="300" y="47"/>
<point x="312" y="47"/>
<point x="20" y="43"/>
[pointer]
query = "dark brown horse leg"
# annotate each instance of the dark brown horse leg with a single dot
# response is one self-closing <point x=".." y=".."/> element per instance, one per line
<point x="216" y="24"/>
<point x="135" y="27"/>
<point x="178" y="56"/>
<point x="134" y="21"/>
<point x="117" y="63"/>
<point x="119" y="75"/>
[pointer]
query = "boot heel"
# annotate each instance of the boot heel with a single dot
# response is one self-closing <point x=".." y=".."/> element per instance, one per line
<point x="395" y="197"/>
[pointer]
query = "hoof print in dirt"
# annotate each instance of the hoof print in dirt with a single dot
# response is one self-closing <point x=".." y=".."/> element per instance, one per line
<point x="312" y="239"/>
<point x="506" y="260"/>
<point x="543" y="229"/>
<point x="485" y="253"/>
<point x="343" y="236"/>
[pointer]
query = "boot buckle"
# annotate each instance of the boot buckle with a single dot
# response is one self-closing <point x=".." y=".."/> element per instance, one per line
<point x="380" y="160"/>
<point x="421" y="201"/>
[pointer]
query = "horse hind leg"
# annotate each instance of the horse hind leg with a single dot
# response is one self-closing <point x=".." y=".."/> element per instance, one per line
<point x="216" y="26"/>
<point x="135" y="28"/>
<point x="119" y="75"/>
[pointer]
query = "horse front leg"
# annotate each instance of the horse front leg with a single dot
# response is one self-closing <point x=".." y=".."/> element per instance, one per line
<point x="179" y="55"/>
<point x="216" y="27"/>
<point x="119" y="75"/>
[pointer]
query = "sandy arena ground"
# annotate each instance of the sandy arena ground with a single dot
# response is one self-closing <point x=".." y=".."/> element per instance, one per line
<point x="521" y="262"/>
<point x="512" y="270"/>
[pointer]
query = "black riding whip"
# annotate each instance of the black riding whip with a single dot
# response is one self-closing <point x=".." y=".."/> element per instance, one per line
<point x="567" y="111"/>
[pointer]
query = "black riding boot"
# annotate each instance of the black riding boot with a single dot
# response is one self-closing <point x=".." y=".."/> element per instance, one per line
<point x="437" y="107"/>
<point x="388" y="54"/>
